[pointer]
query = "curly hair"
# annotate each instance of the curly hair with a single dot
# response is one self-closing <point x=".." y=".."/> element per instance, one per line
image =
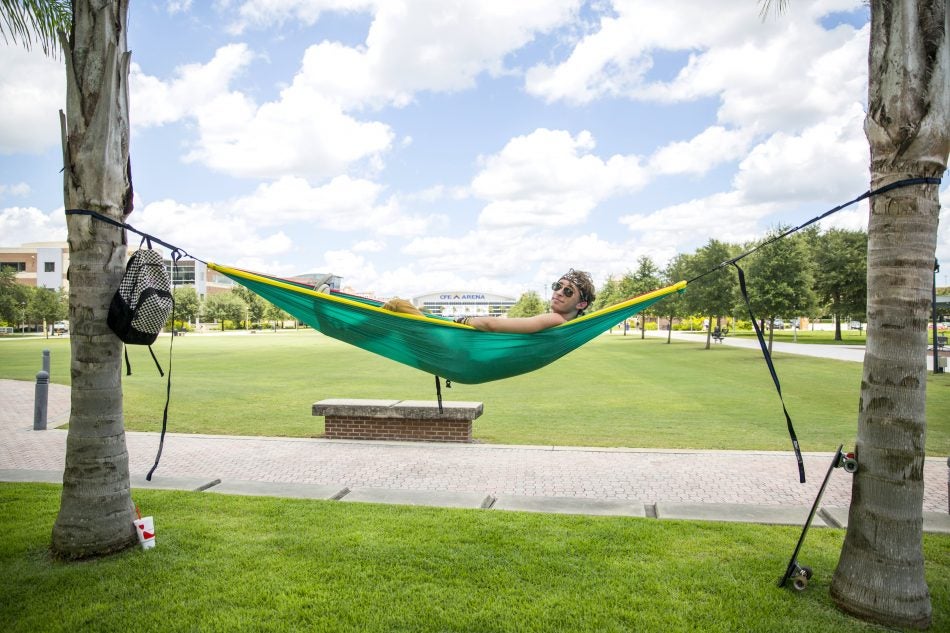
<point x="584" y="283"/>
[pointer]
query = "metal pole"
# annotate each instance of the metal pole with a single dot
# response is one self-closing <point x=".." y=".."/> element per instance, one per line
<point x="40" y="401"/>
<point x="937" y="368"/>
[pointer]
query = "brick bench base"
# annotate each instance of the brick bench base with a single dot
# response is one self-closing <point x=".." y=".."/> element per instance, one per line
<point x="413" y="420"/>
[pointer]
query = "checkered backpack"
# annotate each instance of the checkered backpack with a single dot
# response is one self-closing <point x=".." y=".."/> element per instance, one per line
<point x="142" y="304"/>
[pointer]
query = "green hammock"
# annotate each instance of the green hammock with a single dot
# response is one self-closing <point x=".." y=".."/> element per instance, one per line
<point x="435" y="344"/>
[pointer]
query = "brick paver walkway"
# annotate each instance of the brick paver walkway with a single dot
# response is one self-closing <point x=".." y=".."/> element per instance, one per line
<point x="648" y="476"/>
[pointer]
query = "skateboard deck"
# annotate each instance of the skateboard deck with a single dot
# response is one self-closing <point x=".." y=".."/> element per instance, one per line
<point x="798" y="574"/>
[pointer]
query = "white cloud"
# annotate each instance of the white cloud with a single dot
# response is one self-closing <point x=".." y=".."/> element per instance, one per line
<point x="685" y="226"/>
<point x="156" y="102"/>
<point x="709" y="148"/>
<point x="787" y="69"/>
<point x="343" y="204"/>
<point x="551" y="178"/>
<point x="425" y="45"/>
<point x="19" y="190"/>
<point x="178" y="6"/>
<point x="824" y="162"/>
<point x="19" y="225"/>
<point x="208" y="232"/>
<point x="369" y="246"/>
<point x="256" y="14"/>
<point x="32" y="91"/>
<point x="943" y="235"/>
<point x="303" y="134"/>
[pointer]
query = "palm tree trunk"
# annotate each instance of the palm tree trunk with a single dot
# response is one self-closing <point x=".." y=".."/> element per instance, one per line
<point x="880" y="575"/>
<point x="96" y="509"/>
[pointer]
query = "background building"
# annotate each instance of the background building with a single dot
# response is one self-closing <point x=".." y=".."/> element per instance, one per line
<point x="38" y="264"/>
<point x="454" y="303"/>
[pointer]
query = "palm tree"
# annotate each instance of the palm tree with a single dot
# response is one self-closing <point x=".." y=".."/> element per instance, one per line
<point x="880" y="574"/>
<point x="96" y="509"/>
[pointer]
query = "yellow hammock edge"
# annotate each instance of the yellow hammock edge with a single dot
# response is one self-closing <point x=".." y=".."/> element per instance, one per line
<point x="237" y="272"/>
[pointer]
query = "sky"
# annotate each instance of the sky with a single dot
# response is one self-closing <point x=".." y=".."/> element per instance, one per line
<point x="416" y="146"/>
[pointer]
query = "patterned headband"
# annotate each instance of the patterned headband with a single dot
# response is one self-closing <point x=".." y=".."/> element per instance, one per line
<point x="581" y="280"/>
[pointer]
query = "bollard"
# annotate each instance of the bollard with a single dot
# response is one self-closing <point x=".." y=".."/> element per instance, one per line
<point x="40" y="401"/>
<point x="46" y="361"/>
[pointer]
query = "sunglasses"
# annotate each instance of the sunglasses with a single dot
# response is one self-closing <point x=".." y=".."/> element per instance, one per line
<point x="564" y="288"/>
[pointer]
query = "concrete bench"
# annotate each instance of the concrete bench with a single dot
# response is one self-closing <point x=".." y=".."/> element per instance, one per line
<point x="412" y="420"/>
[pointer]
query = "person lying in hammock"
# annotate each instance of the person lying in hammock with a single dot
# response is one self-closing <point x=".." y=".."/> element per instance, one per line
<point x="573" y="293"/>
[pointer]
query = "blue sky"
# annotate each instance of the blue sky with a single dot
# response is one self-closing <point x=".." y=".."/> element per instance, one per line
<point x="422" y="145"/>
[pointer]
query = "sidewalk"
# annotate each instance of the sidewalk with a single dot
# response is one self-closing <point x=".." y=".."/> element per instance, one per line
<point x="850" y="353"/>
<point x="746" y="486"/>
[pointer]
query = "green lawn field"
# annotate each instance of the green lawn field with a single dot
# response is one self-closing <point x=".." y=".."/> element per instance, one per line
<point x="226" y="563"/>
<point x="614" y="391"/>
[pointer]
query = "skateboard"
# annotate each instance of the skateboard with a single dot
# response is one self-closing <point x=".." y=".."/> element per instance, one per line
<point x="800" y="574"/>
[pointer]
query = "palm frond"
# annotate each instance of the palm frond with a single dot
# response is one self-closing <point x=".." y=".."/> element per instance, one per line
<point x="27" y="20"/>
<point x="766" y="5"/>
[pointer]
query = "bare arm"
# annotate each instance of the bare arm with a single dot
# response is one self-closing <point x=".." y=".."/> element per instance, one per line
<point x="526" y="325"/>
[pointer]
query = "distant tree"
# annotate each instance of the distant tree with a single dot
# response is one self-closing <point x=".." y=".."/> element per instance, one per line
<point x="224" y="306"/>
<point x="187" y="303"/>
<point x="674" y="305"/>
<point x="13" y="297"/>
<point x="275" y="315"/>
<point x="529" y="304"/>
<point x="256" y="305"/>
<point x="644" y="279"/>
<point x="780" y="279"/>
<point x="46" y="306"/>
<point x="716" y="293"/>
<point x="841" y="274"/>
<point x="609" y="294"/>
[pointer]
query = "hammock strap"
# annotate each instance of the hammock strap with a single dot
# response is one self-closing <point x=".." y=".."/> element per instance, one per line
<point x="175" y="255"/>
<point x="778" y="386"/>
<point x="907" y="182"/>
<point x="128" y="227"/>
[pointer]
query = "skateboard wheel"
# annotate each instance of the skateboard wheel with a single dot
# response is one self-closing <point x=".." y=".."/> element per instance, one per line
<point x="850" y="466"/>
<point x="799" y="583"/>
<point x="806" y="572"/>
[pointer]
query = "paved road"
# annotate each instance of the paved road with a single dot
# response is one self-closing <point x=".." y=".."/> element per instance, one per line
<point x="719" y="485"/>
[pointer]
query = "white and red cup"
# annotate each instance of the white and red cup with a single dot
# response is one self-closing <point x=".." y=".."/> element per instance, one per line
<point x="145" y="528"/>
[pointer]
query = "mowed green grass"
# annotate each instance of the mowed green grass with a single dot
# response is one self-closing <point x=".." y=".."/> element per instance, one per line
<point x="615" y="391"/>
<point x="227" y="563"/>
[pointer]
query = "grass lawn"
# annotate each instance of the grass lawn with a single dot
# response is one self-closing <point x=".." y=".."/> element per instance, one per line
<point x="614" y="391"/>
<point x="227" y="563"/>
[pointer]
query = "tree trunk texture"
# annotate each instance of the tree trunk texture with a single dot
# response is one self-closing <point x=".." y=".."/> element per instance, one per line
<point x="96" y="509"/>
<point x="880" y="574"/>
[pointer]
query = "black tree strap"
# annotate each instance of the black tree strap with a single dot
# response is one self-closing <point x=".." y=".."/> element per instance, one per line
<point x="128" y="227"/>
<point x="176" y="255"/>
<point x="778" y="386"/>
<point x="907" y="182"/>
